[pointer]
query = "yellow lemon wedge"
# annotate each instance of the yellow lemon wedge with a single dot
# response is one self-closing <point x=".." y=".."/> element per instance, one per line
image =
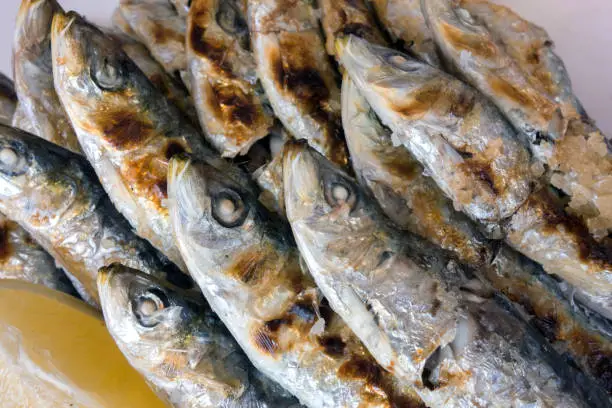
<point x="55" y="351"/>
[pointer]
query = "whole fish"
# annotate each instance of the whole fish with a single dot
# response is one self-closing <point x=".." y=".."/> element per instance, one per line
<point x="160" y="28"/>
<point x="23" y="259"/>
<point x="473" y="156"/>
<point x="179" y="345"/>
<point x="512" y="61"/>
<point x="245" y="261"/>
<point x="343" y="17"/>
<point x="397" y="180"/>
<point x="461" y="139"/>
<point x="223" y="77"/>
<point x="8" y="100"/>
<point x="55" y="195"/>
<point x="127" y="128"/>
<point x="413" y="202"/>
<point x="419" y="314"/>
<point x="173" y="90"/>
<point x="296" y="74"/>
<point x="33" y="73"/>
<point x="404" y="21"/>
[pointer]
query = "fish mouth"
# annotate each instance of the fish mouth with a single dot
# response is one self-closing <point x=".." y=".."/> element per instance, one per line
<point x="105" y="275"/>
<point x="300" y="180"/>
<point x="177" y="167"/>
<point x="62" y="23"/>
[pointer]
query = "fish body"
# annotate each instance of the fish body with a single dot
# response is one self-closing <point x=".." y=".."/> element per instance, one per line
<point x="224" y="77"/>
<point x="127" y="128"/>
<point x="21" y="121"/>
<point x="404" y="21"/>
<point x="55" y="196"/>
<point x="460" y="138"/>
<point x="23" y="259"/>
<point x="161" y="29"/>
<point x="513" y="62"/>
<point x="419" y="314"/>
<point x="296" y="74"/>
<point x="8" y="100"/>
<point x="396" y="179"/>
<point x="413" y="202"/>
<point x="33" y="73"/>
<point x="180" y="346"/>
<point x="246" y="263"/>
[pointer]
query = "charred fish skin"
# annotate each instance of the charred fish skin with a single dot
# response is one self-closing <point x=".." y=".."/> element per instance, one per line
<point x="397" y="181"/>
<point x="248" y="267"/>
<point x="160" y="28"/>
<point x="405" y="23"/>
<point x="344" y="17"/>
<point x="460" y="138"/>
<point x="23" y="259"/>
<point x="512" y="62"/>
<point x="179" y="345"/>
<point x="33" y="73"/>
<point x="56" y="197"/>
<point x="296" y="74"/>
<point x="224" y="77"/>
<point x="442" y="339"/>
<point x="127" y="128"/>
<point x="8" y="100"/>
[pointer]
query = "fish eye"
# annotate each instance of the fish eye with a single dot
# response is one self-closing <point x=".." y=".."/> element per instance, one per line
<point x="148" y="304"/>
<point x="229" y="19"/>
<point x="13" y="162"/>
<point x="401" y="62"/>
<point x="339" y="193"/>
<point x="229" y="209"/>
<point x="107" y="74"/>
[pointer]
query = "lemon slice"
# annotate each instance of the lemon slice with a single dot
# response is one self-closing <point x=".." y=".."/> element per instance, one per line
<point x="56" y="352"/>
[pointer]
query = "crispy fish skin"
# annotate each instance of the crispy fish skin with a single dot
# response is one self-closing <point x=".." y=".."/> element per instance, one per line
<point x="127" y="128"/>
<point x="344" y="17"/>
<point x="160" y="28"/>
<point x="396" y="179"/>
<point x="56" y="197"/>
<point x="32" y="69"/>
<point x="458" y="347"/>
<point x="179" y="345"/>
<point x="248" y="267"/>
<point x="8" y="100"/>
<point x="413" y="202"/>
<point x="173" y="91"/>
<point x="512" y="62"/>
<point x="23" y="259"/>
<point x="543" y="231"/>
<point x="296" y="74"/>
<point x="405" y="22"/>
<point x="461" y="139"/>
<point x="224" y="77"/>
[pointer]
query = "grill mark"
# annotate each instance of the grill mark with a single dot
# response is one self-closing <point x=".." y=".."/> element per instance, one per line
<point x="235" y="105"/>
<point x="333" y="346"/>
<point x="215" y="53"/>
<point x="475" y="44"/>
<point x="421" y="101"/>
<point x="248" y="268"/>
<point x="6" y="249"/>
<point x="483" y="172"/>
<point x="523" y="97"/>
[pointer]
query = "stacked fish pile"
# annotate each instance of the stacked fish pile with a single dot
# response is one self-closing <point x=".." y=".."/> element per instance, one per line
<point x="407" y="208"/>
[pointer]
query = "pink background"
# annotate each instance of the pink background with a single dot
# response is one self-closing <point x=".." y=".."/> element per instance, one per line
<point x="581" y="29"/>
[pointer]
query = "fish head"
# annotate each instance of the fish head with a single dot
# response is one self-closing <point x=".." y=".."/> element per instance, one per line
<point x="165" y="332"/>
<point x="397" y="86"/>
<point x="99" y="85"/>
<point x="333" y="219"/>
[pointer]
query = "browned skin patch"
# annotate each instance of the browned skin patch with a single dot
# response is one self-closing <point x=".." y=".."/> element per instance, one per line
<point x="476" y="44"/>
<point x="249" y="267"/>
<point x="421" y="101"/>
<point x="528" y="100"/>
<point x="378" y="385"/>
<point x="557" y="324"/>
<point x="215" y="53"/>
<point x="123" y="129"/>
<point x="6" y="249"/>
<point x="554" y="216"/>
<point x="483" y="172"/>
<point x="163" y="35"/>
<point x="333" y="346"/>
<point x="147" y="177"/>
<point x="400" y="163"/>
